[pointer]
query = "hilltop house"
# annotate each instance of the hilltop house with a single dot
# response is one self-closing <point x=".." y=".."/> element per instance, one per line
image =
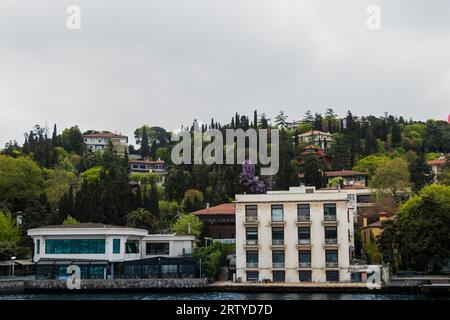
<point x="100" y="141"/>
<point x="437" y="166"/>
<point x="316" y="138"/>
<point x="149" y="166"/>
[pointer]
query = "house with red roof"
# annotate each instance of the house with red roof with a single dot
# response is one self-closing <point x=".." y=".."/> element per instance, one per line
<point x="99" y="141"/>
<point x="219" y="221"/>
<point x="437" y="166"/>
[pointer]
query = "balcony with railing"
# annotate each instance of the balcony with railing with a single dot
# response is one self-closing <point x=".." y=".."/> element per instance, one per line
<point x="303" y="220"/>
<point x="304" y="265"/>
<point x="332" y="264"/>
<point x="278" y="265"/>
<point x="277" y="242"/>
<point x="251" y="220"/>
<point x="331" y="243"/>
<point x="252" y="265"/>
<point x="329" y="220"/>
<point x="304" y="241"/>
<point x="250" y="243"/>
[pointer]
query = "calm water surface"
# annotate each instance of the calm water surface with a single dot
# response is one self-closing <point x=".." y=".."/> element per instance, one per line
<point x="224" y="296"/>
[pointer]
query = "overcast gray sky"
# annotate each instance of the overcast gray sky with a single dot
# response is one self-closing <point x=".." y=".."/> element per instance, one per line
<point x="166" y="62"/>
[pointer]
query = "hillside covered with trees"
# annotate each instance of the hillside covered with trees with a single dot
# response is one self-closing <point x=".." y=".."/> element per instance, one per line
<point x="51" y="177"/>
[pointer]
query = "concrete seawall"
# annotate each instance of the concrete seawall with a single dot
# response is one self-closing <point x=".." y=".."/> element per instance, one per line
<point x="11" y="287"/>
<point x="118" y="284"/>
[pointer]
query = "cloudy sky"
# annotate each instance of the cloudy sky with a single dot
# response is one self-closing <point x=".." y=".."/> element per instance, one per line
<point x="166" y="62"/>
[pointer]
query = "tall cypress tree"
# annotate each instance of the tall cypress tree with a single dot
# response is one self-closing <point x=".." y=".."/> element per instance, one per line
<point x="145" y="150"/>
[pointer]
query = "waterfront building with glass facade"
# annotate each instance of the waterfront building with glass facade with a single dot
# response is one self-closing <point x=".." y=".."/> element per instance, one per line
<point x="100" y="249"/>
<point x="298" y="235"/>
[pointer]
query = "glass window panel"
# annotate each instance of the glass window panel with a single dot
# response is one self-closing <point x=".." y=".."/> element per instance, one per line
<point x="304" y="256"/>
<point x="116" y="246"/>
<point x="253" y="276"/>
<point x="278" y="259"/>
<point x="251" y="212"/>
<point x="155" y="248"/>
<point x="332" y="276"/>
<point x="305" y="276"/>
<point x="278" y="276"/>
<point x="252" y="259"/>
<point x="277" y="235"/>
<point x="303" y="212"/>
<point x="277" y="212"/>
<point x="330" y="235"/>
<point x="331" y="256"/>
<point x="329" y="210"/>
<point x="304" y="235"/>
<point x="252" y="235"/>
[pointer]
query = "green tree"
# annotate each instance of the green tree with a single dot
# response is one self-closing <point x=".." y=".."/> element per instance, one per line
<point x="424" y="226"/>
<point x="10" y="236"/>
<point x="177" y="182"/>
<point x="281" y="120"/>
<point x="213" y="257"/>
<point x="370" y="164"/>
<point x="391" y="176"/>
<point x="72" y="140"/>
<point x="389" y="243"/>
<point x="70" y="220"/>
<point x="313" y="168"/>
<point x="141" y="219"/>
<point x="169" y="212"/>
<point x="193" y="200"/>
<point x="21" y="179"/>
<point x="420" y="171"/>
<point x="186" y="223"/>
<point x="57" y="184"/>
<point x="145" y="148"/>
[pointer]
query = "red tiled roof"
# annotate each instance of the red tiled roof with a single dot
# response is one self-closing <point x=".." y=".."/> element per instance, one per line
<point x="344" y="173"/>
<point x="103" y="135"/>
<point x="345" y="187"/>
<point x="225" y="208"/>
<point x="313" y="133"/>
<point x="438" y="162"/>
<point x="159" y="161"/>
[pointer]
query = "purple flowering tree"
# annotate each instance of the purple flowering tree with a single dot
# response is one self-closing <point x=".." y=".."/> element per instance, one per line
<point x="249" y="180"/>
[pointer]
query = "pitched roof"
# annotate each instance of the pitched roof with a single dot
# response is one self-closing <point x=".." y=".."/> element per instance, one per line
<point x="104" y="135"/>
<point x="225" y="208"/>
<point x="355" y="186"/>
<point x="314" y="133"/>
<point x="437" y="162"/>
<point x="159" y="161"/>
<point x="344" y="173"/>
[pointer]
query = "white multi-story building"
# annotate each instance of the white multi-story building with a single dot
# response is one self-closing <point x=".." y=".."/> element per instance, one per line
<point x="100" y="141"/>
<point x="317" y="138"/>
<point x="298" y="235"/>
<point x="150" y="166"/>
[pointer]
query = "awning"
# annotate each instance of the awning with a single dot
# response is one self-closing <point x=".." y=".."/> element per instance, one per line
<point x="24" y="262"/>
<point x="6" y="263"/>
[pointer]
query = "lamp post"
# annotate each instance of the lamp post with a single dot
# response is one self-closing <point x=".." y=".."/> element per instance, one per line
<point x="13" y="265"/>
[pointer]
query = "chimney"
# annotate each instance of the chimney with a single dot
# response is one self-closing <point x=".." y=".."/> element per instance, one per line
<point x="189" y="228"/>
<point x="382" y="216"/>
<point x="364" y="220"/>
<point x="207" y="205"/>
